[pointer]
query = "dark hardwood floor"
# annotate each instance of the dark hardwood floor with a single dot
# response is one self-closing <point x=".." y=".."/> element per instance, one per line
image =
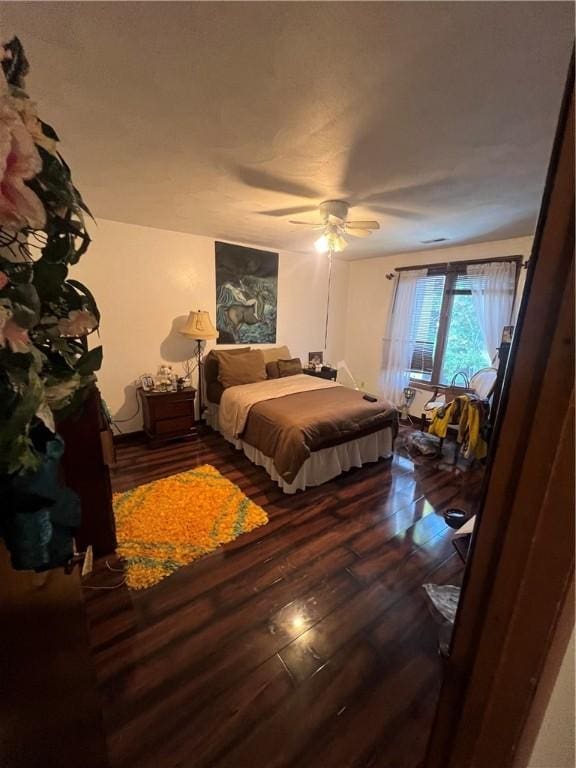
<point x="307" y="642"/>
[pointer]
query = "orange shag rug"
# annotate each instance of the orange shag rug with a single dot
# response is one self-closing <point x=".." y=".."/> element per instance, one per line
<point x="171" y="522"/>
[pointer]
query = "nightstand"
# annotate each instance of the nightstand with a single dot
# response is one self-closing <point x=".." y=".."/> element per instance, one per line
<point x="325" y="373"/>
<point x="168" y="415"/>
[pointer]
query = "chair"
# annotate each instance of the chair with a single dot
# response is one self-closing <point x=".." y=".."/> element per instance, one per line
<point x="481" y="385"/>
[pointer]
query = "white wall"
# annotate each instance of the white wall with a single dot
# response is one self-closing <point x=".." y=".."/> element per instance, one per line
<point x="370" y="296"/>
<point x="339" y="283"/>
<point x="146" y="281"/>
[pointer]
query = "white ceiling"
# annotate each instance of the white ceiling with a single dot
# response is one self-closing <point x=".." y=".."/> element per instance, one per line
<point x="218" y="118"/>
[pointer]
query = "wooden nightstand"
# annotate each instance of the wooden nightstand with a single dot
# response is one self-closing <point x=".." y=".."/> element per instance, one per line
<point x="325" y="373"/>
<point x="168" y="415"/>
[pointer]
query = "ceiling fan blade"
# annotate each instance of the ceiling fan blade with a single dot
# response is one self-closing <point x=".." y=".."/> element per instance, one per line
<point x="260" y="179"/>
<point x="358" y="232"/>
<point x="315" y="224"/>
<point x="363" y="224"/>
<point x="290" y="211"/>
<point x="331" y="219"/>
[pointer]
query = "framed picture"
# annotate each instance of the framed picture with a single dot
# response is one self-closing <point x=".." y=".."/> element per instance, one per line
<point x="507" y="333"/>
<point x="147" y="382"/>
<point x="246" y="295"/>
<point x="315" y="358"/>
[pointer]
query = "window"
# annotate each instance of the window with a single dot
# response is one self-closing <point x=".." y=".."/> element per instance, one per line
<point x="425" y="323"/>
<point x="446" y="334"/>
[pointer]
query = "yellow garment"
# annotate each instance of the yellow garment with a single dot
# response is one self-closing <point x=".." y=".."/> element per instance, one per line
<point x="469" y="414"/>
<point x="469" y="433"/>
<point x="445" y="415"/>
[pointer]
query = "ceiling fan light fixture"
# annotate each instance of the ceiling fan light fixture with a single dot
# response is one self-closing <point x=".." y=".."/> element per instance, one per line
<point x="322" y="245"/>
<point x="338" y="244"/>
<point x="335" y="226"/>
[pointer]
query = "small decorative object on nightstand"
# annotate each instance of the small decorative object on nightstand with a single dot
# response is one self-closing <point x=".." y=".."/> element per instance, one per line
<point x="325" y="372"/>
<point x="168" y="415"/>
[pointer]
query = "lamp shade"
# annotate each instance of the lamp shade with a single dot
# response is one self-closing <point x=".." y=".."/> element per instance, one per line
<point x="199" y="326"/>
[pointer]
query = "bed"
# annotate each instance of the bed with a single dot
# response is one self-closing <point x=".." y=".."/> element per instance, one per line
<point x="303" y="430"/>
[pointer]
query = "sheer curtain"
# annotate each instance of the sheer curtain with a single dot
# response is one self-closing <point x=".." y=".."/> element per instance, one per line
<point x="399" y="342"/>
<point x="492" y="289"/>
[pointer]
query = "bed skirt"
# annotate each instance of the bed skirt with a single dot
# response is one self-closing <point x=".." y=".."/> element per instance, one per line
<point x="323" y="465"/>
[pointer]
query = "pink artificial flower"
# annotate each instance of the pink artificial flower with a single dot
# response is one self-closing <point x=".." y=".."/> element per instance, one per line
<point x="78" y="323"/>
<point x="4" y="280"/>
<point x="16" y="337"/>
<point x="19" y="161"/>
<point x="29" y="114"/>
<point x="12" y="333"/>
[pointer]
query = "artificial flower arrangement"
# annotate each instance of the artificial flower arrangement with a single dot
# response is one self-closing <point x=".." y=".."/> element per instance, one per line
<point x="46" y="368"/>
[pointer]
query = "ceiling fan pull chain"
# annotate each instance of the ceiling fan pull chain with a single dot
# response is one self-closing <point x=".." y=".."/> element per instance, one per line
<point x="328" y="300"/>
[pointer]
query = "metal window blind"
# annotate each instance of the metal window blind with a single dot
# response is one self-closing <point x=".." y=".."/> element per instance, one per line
<point x="463" y="284"/>
<point x="428" y="303"/>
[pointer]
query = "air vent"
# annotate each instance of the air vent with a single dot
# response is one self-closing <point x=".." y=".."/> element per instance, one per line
<point x="435" y="240"/>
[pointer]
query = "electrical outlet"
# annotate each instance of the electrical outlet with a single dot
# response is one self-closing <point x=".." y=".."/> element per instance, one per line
<point x="88" y="564"/>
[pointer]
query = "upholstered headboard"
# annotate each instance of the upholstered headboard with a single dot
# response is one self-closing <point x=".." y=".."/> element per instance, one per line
<point x="213" y="387"/>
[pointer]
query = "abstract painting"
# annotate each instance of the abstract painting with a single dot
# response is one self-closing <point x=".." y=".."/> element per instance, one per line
<point x="246" y="295"/>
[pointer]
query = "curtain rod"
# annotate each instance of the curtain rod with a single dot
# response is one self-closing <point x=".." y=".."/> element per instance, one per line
<point x="447" y="264"/>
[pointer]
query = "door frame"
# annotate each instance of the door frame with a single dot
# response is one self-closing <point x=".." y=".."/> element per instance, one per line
<point x="521" y="565"/>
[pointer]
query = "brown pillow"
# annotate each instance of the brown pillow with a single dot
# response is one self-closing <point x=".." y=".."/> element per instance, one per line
<point x="272" y="370"/>
<point x="214" y="389"/>
<point x="289" y="367"/>
<point x="241" y="369"/>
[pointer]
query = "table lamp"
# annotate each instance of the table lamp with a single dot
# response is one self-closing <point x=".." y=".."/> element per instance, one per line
<point x="199" y="327"/>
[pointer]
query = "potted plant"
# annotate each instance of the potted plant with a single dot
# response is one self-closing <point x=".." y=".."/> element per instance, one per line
<point x="46" y="367"/>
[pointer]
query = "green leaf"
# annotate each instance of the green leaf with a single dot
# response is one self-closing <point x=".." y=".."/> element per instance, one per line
<point x="47" y="130"/>
<point x="90" y="361"/>
<point x="18" y="272"/>
<point x="91" y="301"/>
<point x="49" y="278"/>
<point x="82" y="204"/>
<point x="19" y="456"/>
<point x="58" y="249"/>
<point x="79" y="252"/>
<point x="25" y="304"/>
<point x="24" y="316"/>
<point x="22" y="414"/>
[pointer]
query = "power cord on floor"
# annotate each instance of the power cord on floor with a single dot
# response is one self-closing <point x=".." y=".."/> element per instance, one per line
<point x="115" y="586"/>
<point x="115" y="422"/>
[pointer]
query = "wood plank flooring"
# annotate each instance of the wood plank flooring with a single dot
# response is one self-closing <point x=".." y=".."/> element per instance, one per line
<point x="307" y="642"/>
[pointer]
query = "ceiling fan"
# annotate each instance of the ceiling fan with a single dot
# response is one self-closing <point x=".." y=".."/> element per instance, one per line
<point x="334" y="225"/>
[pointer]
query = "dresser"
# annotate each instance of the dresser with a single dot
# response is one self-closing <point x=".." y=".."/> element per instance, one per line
<point x="168" y="415"/>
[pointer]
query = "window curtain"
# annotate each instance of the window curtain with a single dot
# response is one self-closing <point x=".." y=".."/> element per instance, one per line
<point x="492" y="287"/>
<point x="399" y="342"/>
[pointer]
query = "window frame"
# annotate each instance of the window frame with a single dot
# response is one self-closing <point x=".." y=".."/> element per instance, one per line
<point x="451" y="271"/>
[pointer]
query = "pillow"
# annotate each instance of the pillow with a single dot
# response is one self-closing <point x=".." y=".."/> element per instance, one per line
<point x="289" y="367"/>
<point x="214" y="389"/>
<point x="272" y="370"/>
<point x="241" y="369"/>
<point x="271" y="355"/>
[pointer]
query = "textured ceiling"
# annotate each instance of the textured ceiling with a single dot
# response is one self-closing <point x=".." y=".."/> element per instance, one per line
<point x="228" y="119"/>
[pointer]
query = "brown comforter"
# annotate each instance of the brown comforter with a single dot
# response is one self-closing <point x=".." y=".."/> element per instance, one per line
<point x="289" y="428"/>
